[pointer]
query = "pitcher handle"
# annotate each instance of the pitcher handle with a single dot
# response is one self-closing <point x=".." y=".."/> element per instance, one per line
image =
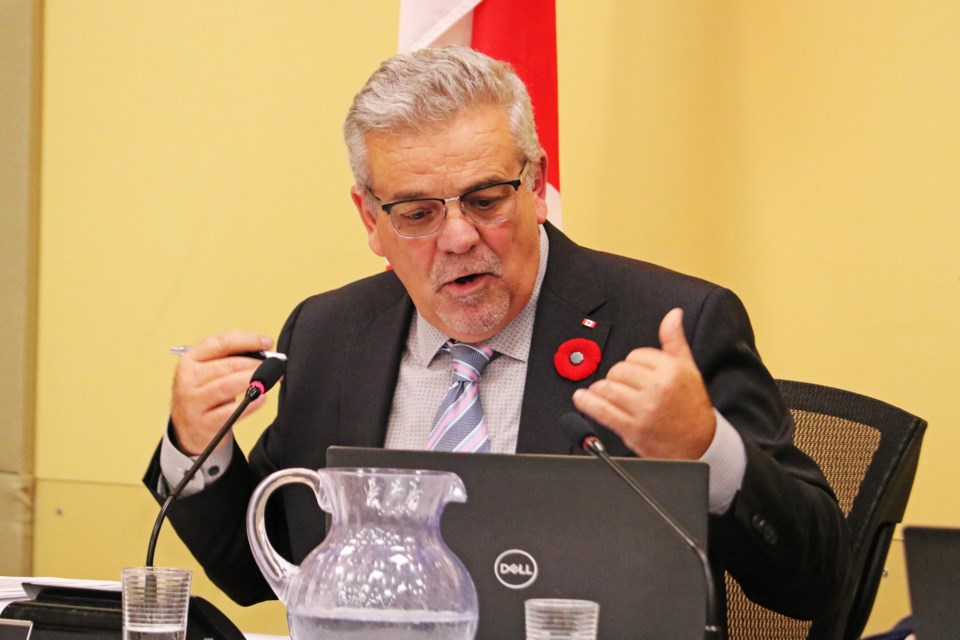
<point x="275" y="568"/>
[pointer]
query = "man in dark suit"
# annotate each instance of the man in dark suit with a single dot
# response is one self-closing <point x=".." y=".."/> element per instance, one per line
<point x="450" y="186"/>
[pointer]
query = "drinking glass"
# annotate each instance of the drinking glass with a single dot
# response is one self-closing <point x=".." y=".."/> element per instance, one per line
<point x="155" y="603"/>
<point x="561" y="619"/>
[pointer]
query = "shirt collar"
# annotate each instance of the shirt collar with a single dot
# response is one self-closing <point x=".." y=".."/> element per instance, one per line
<point x="424" y="340"/>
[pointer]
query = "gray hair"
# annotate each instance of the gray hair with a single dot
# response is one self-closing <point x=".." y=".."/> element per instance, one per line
<point x="422" y="90"/>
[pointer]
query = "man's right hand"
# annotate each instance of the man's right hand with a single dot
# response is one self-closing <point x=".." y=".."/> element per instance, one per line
<point x="208" y="380"/>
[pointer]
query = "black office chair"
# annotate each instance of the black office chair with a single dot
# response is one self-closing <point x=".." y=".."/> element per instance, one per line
<point x="868" y="451"/>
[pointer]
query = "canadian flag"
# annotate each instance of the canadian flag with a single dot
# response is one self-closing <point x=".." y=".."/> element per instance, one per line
<point x="521" y="33"/>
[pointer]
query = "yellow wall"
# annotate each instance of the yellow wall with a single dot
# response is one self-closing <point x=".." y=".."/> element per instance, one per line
<point x="851" y="182"/>
<point x="193" y="179"/>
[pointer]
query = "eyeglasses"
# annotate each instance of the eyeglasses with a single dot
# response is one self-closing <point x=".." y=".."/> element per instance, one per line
<point x="486" y="205"/>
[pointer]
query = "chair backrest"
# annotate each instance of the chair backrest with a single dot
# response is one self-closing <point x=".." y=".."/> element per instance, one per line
<point x="868" y="451"/>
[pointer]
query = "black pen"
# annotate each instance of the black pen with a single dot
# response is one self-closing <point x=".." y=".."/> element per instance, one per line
<point x="180" y="349"/>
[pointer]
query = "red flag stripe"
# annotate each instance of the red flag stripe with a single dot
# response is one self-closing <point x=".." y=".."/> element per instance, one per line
<point x="525" y="35"/>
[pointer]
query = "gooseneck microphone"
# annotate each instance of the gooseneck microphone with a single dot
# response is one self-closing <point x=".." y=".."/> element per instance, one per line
<point x="267" y="374"/>
<point x="581" y="434"/>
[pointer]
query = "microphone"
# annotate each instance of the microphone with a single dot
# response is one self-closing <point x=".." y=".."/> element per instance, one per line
<point x="581" y="434"/>
<point x="264" y="378"/>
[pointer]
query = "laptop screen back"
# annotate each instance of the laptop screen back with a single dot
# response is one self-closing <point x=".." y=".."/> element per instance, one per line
<point x="537" y="526"/>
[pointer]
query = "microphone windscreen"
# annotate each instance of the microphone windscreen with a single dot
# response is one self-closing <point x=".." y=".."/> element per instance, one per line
<point x="576" y="428"/>
<point x="269" y="373"/>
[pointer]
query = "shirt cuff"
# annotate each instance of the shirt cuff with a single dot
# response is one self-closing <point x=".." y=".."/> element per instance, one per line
<point x="727" y="458"/>
<point x="174" y="464"/>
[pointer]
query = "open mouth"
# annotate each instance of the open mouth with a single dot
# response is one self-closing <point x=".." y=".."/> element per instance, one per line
<point x="465" y="274"/>
<point x="468" y="278"/>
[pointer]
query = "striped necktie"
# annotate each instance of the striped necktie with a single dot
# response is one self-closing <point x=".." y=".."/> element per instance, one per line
<point x="459" y="424"/>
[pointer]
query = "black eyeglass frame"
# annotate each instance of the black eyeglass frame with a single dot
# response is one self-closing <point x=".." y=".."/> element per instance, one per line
<point x="386" y="206"/>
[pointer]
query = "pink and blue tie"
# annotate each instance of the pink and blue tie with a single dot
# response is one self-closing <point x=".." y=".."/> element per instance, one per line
<point x="459" y="424"/>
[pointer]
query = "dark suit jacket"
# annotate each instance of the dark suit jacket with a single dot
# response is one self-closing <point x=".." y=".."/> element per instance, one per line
<point x="784" y="538"/>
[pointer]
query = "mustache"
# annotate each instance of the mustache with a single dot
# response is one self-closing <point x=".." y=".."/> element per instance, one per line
<point x="450" y="268"/>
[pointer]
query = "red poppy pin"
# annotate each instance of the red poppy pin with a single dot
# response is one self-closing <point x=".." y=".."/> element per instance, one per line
<point x="577" y="358"/>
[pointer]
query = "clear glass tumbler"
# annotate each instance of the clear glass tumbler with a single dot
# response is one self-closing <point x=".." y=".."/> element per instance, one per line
<point x="155" y="603"/>
<point x="561" y="619"/>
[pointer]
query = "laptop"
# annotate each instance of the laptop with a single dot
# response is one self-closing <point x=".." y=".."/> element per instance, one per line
<point x="545" y="526"/>
<point x="933" y="576"/>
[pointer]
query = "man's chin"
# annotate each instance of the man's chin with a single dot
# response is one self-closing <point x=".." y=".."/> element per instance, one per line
<point x="473" y="321"/>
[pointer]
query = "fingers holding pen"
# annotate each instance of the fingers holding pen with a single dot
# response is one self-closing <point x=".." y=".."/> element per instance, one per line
<point x="228" y="343"/>
<point x="208" y="381"/>
<point x="211" y="358"/>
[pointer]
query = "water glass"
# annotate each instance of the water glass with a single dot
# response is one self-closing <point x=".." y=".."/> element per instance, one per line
<point x="561" y="619"/>
<point x="155" y="603"/>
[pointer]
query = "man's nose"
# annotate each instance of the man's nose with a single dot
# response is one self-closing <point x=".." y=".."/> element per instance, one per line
<point x="458" y="233"/>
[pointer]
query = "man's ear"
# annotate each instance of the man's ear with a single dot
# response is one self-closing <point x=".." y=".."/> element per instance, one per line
<point x="368" y="218"/>
<point x="540" y="189"/>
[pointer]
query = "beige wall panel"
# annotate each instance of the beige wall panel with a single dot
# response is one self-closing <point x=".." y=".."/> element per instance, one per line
<point x="19" y="137"/>
<point x="16" y="524"/>
<point x="92" y="530"/>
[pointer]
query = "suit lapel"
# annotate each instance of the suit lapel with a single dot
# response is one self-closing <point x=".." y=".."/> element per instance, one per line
<point x="371" y="374"/>
<point x="570" y="293"/>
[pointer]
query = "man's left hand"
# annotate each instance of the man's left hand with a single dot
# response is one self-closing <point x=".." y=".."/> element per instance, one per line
<point x="655" y="399"/>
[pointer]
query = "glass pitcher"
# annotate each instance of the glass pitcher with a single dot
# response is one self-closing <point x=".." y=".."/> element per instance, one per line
<point x="383" y="570"/>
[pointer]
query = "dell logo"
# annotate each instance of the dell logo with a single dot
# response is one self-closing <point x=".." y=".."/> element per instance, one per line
<point x="515" y="569"/>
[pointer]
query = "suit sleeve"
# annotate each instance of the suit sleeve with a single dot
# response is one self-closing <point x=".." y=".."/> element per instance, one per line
<point x="784" y="538"/>
<point x="212" y="523"/>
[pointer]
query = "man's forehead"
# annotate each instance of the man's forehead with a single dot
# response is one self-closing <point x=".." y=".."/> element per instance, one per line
<point x="488" y="122"/>
<point x="473" y="149"/>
